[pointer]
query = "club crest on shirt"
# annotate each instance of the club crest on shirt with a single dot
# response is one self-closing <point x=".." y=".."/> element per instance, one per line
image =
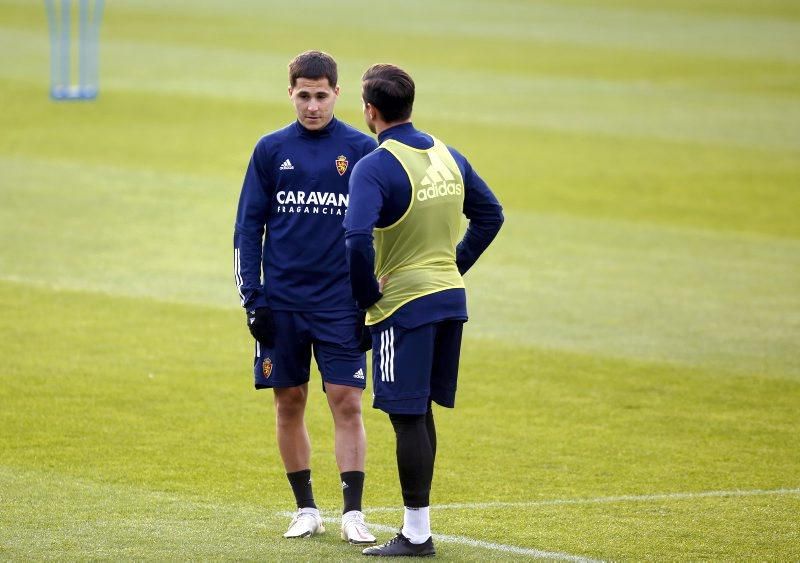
<point x="341" y="164"/>
<point x="266" y="367"/>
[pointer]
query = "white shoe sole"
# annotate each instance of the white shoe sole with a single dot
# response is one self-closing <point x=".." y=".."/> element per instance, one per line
<point x="356" y="542"/>
<point x="308" y="534"/>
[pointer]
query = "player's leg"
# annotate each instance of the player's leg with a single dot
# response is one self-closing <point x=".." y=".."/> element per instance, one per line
<point x="285" y="368"/>
<point x="415" y="467"/>
<point x="350" y="448"/>
<point x="402" y="362"/>
<point x="416" y="434"/>
<point x="295" y="449"/>
<point x="293" y="441"/>
<point x="349" y="438"/>
<point x="343" y="369"/>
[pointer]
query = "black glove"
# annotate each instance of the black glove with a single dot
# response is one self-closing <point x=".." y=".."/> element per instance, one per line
<point x="262" y="326"/>
<point x="363" y="335"/>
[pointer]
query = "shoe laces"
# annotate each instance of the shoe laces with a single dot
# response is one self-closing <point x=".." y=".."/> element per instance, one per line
<point x="358" y="522"/>
<point x="299" y="515"/>
<point x="399" y="537"/>
<point x="355" y="518"/>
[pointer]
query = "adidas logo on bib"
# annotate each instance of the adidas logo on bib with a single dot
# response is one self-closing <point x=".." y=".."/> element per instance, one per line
<point x="438" y="181"/>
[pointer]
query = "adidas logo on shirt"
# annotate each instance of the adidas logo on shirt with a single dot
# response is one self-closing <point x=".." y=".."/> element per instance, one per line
<point x="287" y="165"/>
<point x="359" y="374"/>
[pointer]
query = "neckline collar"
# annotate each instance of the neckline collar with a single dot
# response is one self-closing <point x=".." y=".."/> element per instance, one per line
<point x="396" y="130"/>
<point x="324" y="132"/>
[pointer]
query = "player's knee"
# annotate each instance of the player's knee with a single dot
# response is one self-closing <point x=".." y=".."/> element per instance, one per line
<point x="349" y="409"/>
<point x="290" y="402"/>
<point x="407" y="422"/>
<point x="346" y="403"/>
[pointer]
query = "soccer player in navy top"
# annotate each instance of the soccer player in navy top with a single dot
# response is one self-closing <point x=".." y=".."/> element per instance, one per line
<point x="406" y="264"/>
<point x="289" y="226"/>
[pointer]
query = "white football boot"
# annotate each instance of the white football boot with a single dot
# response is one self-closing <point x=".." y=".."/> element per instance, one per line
<point x="306" y="522"/>
<point x="354" y="528"/>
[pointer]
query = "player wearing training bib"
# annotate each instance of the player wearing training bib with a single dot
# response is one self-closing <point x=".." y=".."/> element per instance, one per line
<point x="406" y="261"/>
<point x="288" y="226"/>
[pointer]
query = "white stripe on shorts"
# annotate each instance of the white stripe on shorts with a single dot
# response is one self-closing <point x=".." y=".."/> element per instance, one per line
<point x="383" y="355"/>
<point x="391" y="354"/>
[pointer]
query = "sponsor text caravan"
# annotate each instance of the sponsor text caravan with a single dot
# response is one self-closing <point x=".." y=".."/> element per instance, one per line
<point x="324" y="203"/>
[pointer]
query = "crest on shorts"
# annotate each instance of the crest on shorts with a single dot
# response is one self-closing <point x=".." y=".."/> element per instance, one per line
<point x="341" y="164"/>
<point x="266" y="367"/>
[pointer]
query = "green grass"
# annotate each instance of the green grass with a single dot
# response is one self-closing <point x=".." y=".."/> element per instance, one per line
<point x="630" y="376"/>
<point x="145" y="434"/>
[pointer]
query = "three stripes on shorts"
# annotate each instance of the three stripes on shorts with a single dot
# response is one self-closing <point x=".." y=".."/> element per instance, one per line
<point x="387" y="355"/>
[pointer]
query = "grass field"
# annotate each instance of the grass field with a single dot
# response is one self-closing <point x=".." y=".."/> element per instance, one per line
<point x="630" y="385"/>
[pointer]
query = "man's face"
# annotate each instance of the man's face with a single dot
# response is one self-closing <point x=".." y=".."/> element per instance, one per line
<point x="313" y="101"/>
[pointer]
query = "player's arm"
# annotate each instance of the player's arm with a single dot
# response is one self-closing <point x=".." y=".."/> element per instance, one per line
<point x="248" y="237"/>
<point x="484" y="213"/>
<point x="364" y="206"/>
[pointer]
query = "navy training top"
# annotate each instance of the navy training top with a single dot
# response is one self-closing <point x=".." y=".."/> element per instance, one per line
<point x="380" y="193"/>
<point x="295" y="187"/>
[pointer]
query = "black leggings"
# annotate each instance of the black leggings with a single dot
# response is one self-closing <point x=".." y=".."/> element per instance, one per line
<point x="416" y="453"/>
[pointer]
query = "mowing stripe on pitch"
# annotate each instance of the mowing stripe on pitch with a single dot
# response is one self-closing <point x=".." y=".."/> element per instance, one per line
<point x="599" y="500"/>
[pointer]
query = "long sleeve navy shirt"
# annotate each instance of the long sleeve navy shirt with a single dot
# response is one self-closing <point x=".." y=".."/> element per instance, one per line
<point x="295" y="191"/>
<point x="380" y="193"/>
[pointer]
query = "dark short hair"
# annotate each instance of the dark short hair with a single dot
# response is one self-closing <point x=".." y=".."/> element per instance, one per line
<point x="313" y="65"/>
<point x="390" y="89"/>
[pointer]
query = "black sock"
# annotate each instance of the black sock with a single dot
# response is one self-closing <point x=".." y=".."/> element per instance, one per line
<point x="301" y="487"/>
<point x="352" y="489"/>
<point x="414" y="458"/>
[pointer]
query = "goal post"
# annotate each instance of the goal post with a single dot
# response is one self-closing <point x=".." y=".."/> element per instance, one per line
<point x="74" y="31"/>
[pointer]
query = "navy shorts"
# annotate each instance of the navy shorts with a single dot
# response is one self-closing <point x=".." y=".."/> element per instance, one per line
<point x="412" y="366"/>
<point x="331" y="335"/>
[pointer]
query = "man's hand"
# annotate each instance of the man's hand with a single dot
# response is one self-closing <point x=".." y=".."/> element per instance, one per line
<point x="262" y="326"/>
<point x="363" y="335"/>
